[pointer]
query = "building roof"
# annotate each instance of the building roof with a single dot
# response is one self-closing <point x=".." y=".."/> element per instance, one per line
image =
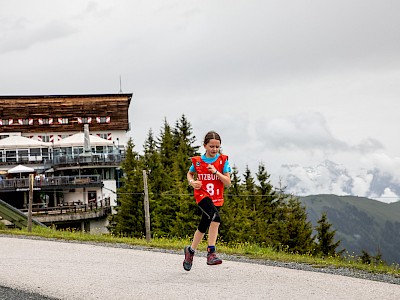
<point x="15" y="97"/>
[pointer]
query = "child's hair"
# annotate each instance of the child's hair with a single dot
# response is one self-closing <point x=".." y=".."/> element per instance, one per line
<point x="211" y="135"/>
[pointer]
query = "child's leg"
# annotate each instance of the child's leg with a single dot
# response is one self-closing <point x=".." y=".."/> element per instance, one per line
<point x="213" y="233"/>
<point x="197" y="238"/>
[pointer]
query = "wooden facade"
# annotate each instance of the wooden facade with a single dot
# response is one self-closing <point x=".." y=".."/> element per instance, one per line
<point x="64" y="113"/>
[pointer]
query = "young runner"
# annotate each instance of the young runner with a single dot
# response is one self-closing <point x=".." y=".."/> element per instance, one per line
<point x="212" y="172"/>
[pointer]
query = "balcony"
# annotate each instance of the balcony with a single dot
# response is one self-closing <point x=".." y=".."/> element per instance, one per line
<point x="71" y="211"/>
<point x="50" y="183"/>
<point x="91" y="159"/>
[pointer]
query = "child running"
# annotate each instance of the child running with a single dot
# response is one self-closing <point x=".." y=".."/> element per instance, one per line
<point x="212" y="171"/>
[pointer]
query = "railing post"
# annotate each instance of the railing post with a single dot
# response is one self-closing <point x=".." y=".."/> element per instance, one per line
<point x="146" y="207"/>
<point x="30" y="202"/>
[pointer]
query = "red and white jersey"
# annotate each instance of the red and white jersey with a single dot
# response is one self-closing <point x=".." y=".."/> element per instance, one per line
<point x="212" y="186"/>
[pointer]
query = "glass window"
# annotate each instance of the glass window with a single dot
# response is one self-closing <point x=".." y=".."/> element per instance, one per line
<point x="78" y="150"/>
<point x="99" y="149"/>
<point x="45" y="153"/>
<point x="68" y="150"/>
<point x="35" y="151"/>
<point x="11" y="155"/>
<point x="62" y="120"/>
<point x="46" y="138"/>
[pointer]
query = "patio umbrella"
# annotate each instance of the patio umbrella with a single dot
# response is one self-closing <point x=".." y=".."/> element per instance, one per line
<point x="21" y="169"/>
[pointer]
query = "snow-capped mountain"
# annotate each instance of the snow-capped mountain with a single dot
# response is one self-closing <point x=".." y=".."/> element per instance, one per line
<point x="331" y="178"/>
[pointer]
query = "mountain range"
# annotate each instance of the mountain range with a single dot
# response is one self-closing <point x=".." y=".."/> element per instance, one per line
<point x="331" y="178"/>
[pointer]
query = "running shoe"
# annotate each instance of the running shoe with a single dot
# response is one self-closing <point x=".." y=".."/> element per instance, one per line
<point x="213" y="259"/>
<point x="187" y="263"/>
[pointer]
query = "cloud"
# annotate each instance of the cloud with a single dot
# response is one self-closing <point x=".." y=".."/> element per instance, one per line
<point x="386" y="164"/>
<point x="21" y="35"/>
<point x="369" y="145"/>
<point x="362" y="183"/>
<point x="388" y="196"/>
<point x="307" y="131"/>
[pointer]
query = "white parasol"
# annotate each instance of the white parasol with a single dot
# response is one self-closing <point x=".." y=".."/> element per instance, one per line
<point x="21" y="169"/>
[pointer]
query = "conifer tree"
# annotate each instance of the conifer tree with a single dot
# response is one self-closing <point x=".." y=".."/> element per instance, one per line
<point x="265" y="203"/>
<point x="248" y="207"/>
<point x="291" y="230"/>
<point x="184" y="145"/>
<point x="166" y="148"/>
<point x="152" y="163"/>
<point x="129" y="220"/>
<point x="325" y="237"/>
<point x="235" y="224"/>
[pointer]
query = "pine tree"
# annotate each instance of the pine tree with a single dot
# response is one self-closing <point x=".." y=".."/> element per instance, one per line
<point x="152" y="163"/>
<point x="129" y="220"/>
<point x="235" y="224"/>
<point x="325" y="238"/>
<point x="166" y="148"/>
<point x="175" y="207"/>
<point x="184" y="145"/>
<point x="265" y="203"/>
<point x="291" y="230"/>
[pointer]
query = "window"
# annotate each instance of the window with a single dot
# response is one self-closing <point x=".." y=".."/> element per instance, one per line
<point x="6" y="121"/>
<point x="34" y="154"/>
<point x="99" y="149"/>
<point x="102" y="135"/>
<point x="78" y="150"/>
<point x="11" y="156"/>
<point x="92" y="195"/>
<point x="23" y="155"/>
<point x="62" y="120"/>
<point x="3" y="136"/>
<point x="103" y="119"/>
<point x="45" y="121"/>
<point x="85" y="120"/>
<point x="45" y="153"/>
<point x="25" y="121"/>
<point x="46" y="138"/>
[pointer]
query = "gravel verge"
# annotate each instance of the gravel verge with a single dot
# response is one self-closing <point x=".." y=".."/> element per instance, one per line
<point x="7" y="293"/>
<point x="387" y="278"/>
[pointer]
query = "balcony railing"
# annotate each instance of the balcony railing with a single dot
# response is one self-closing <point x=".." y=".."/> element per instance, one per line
<point x="20" y="184"/>
<point x="72" y="207"/>
<point x="63" y="159"/>
<point x="100" y="159"/>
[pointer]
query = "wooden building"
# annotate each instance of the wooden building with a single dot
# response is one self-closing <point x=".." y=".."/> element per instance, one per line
<point x="48" y="133"/>
<point x="64" y="113"/>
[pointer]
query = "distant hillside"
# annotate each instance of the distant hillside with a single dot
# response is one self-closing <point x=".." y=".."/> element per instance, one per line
<point x="361" y="223"/>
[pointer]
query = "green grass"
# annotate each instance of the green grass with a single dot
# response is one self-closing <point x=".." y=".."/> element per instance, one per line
<point x="239" y="249"/>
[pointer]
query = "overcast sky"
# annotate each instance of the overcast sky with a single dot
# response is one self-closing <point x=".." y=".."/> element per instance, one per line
<point x="283" y="82"/>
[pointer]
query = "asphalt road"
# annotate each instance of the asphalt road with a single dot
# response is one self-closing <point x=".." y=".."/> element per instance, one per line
<point x="82" y="271"/>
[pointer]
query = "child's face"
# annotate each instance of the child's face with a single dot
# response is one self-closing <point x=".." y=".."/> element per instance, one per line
<point x="212" y="147"/>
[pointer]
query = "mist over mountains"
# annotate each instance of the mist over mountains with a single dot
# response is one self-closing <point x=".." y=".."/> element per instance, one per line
<point x="329" y="177"/>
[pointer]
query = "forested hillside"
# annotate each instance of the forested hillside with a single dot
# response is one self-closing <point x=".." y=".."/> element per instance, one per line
<point x="361" y="223"/>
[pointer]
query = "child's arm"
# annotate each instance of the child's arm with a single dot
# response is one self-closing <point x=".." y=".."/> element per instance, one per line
<point x="225" y="178"/>
<point x="196" y="184"/>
